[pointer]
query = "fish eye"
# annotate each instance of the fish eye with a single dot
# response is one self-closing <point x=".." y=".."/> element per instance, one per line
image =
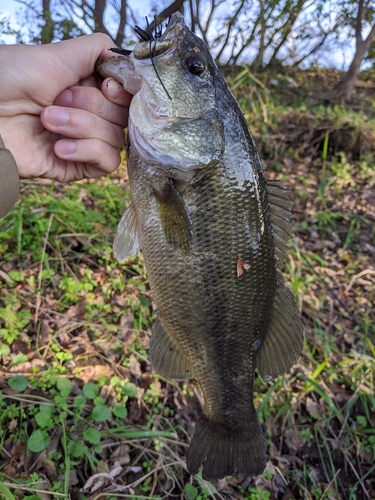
<point x="195" y="65"/>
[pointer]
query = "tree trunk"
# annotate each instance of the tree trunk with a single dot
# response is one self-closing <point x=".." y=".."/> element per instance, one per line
<point x="98" y="12"/>
<point x="346" y="85"/>
<point x="48" y="29"/>
<point x="258" y="61"/>
<point x="121" y="29"/>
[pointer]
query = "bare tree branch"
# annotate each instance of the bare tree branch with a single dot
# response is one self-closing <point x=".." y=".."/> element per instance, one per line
<point x="231" y="24"/>
<point x="346" y="85"/>
<point x="123" y="19"/>
<point x="176" y="6"/>
<point x="312" y="51"/>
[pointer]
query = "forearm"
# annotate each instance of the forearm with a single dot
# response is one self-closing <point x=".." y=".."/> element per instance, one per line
<point x="9" y="180"/>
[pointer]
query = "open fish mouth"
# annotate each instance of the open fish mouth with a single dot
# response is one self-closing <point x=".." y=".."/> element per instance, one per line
<point x="152" y="48"/>
<point x="153" y="45"/>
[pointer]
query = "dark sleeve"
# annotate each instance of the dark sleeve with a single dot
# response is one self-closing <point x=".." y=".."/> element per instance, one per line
<point x="9" y="180"/>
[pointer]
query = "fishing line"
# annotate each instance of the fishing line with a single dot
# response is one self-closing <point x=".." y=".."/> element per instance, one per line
<point x="147" y="36"/>
<point x="152" y="55"/>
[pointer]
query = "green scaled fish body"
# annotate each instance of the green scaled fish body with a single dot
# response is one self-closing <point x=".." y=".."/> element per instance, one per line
<point x="212" y="231"/>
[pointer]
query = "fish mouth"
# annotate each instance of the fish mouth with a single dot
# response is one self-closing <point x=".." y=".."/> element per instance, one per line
<point x="152" y="48"/>
<point x="160" y="43"/>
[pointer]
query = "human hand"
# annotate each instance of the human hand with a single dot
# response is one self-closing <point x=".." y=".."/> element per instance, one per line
<point x="54" y="118"/>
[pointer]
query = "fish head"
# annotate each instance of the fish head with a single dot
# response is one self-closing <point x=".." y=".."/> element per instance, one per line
<point x="173" y="120"/>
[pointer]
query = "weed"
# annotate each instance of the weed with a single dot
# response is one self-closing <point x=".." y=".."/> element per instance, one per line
<point x="13" y="317"/>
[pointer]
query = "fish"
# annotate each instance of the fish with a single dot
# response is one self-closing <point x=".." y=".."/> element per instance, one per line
<point x="213" y="232"/>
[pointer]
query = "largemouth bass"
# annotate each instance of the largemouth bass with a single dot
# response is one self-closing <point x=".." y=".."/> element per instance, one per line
<point x="212" y="230"/>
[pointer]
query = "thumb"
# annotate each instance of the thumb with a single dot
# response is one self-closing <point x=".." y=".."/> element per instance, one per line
<point x="79" y="55"/>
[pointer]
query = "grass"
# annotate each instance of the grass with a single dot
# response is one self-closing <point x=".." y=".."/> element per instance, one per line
<point x="82" y="416"/>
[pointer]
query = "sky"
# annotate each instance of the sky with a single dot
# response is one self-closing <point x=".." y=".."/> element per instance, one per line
<point x="10" y="8"/>
<point x="339" y="58"/>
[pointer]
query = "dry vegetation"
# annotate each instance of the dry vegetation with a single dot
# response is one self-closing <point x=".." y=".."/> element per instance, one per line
<point x="81" y="414"/>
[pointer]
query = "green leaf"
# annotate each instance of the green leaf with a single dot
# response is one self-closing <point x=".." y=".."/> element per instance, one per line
<point x="6" y="492"/>
<point x="43" y="419"/>
<point x="48" y="409"/>
<point x="38" y="441"/>
<point x="18" y="383"/>
<point x="92" y="436"/>
<point x="18" y="359"/>
<point x="115" y="381"/>
<point x="80" y="400"/>
<point x="120" y="411"/>
<point x="75" y="449"/>
<point x="362" y="420"/>
<point x="205" y="486"/>
<point x="130" y="389"/>
<point x="4" y="350"/>
<point x="101" y="413"/>
<point x="64" y="356"/>
<point x="61" y="401"/>
<point x="90" y="390"/>
<point x="65" y="386"/>
<point x="16" y="275"/>
<point x="99" y="401"/>
<point x="191" y="491"/>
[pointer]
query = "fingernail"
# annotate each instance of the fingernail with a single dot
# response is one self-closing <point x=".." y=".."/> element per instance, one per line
<point x="115" y="89"/>
<point x="66" y="147"/>
<point x="57" y="116"/>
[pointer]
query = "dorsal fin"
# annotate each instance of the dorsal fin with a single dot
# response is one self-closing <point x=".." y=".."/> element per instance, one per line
<point x="282" y="345"/>
<point x="280" y="206"/>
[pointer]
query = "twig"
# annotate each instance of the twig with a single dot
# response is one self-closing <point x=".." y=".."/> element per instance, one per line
<point x="330" y="483"/>
<point x="38" y="297"/>
<point x="362" y="273"/>
<point x="34" y="490"/>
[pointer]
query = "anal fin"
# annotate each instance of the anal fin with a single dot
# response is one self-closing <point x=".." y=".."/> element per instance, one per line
<point x="126" y="241"/>
<point x="282" y="345"/>
<point x="166" y="357"/>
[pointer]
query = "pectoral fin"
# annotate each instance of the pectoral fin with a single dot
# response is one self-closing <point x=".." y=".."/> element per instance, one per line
<point x="126" y="241"/>
<point x="174" y="217"/>
<point x="166" y="357"/>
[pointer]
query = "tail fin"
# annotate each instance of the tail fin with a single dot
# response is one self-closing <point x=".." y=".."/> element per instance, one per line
<point x="226" y="451"/>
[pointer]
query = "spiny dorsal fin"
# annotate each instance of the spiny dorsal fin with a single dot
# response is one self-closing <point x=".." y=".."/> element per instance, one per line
<point x="174" y="217"/>
<point x="282" y="345"/>
<point x="166" y="357"/>
<point x="126" y="241"/>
